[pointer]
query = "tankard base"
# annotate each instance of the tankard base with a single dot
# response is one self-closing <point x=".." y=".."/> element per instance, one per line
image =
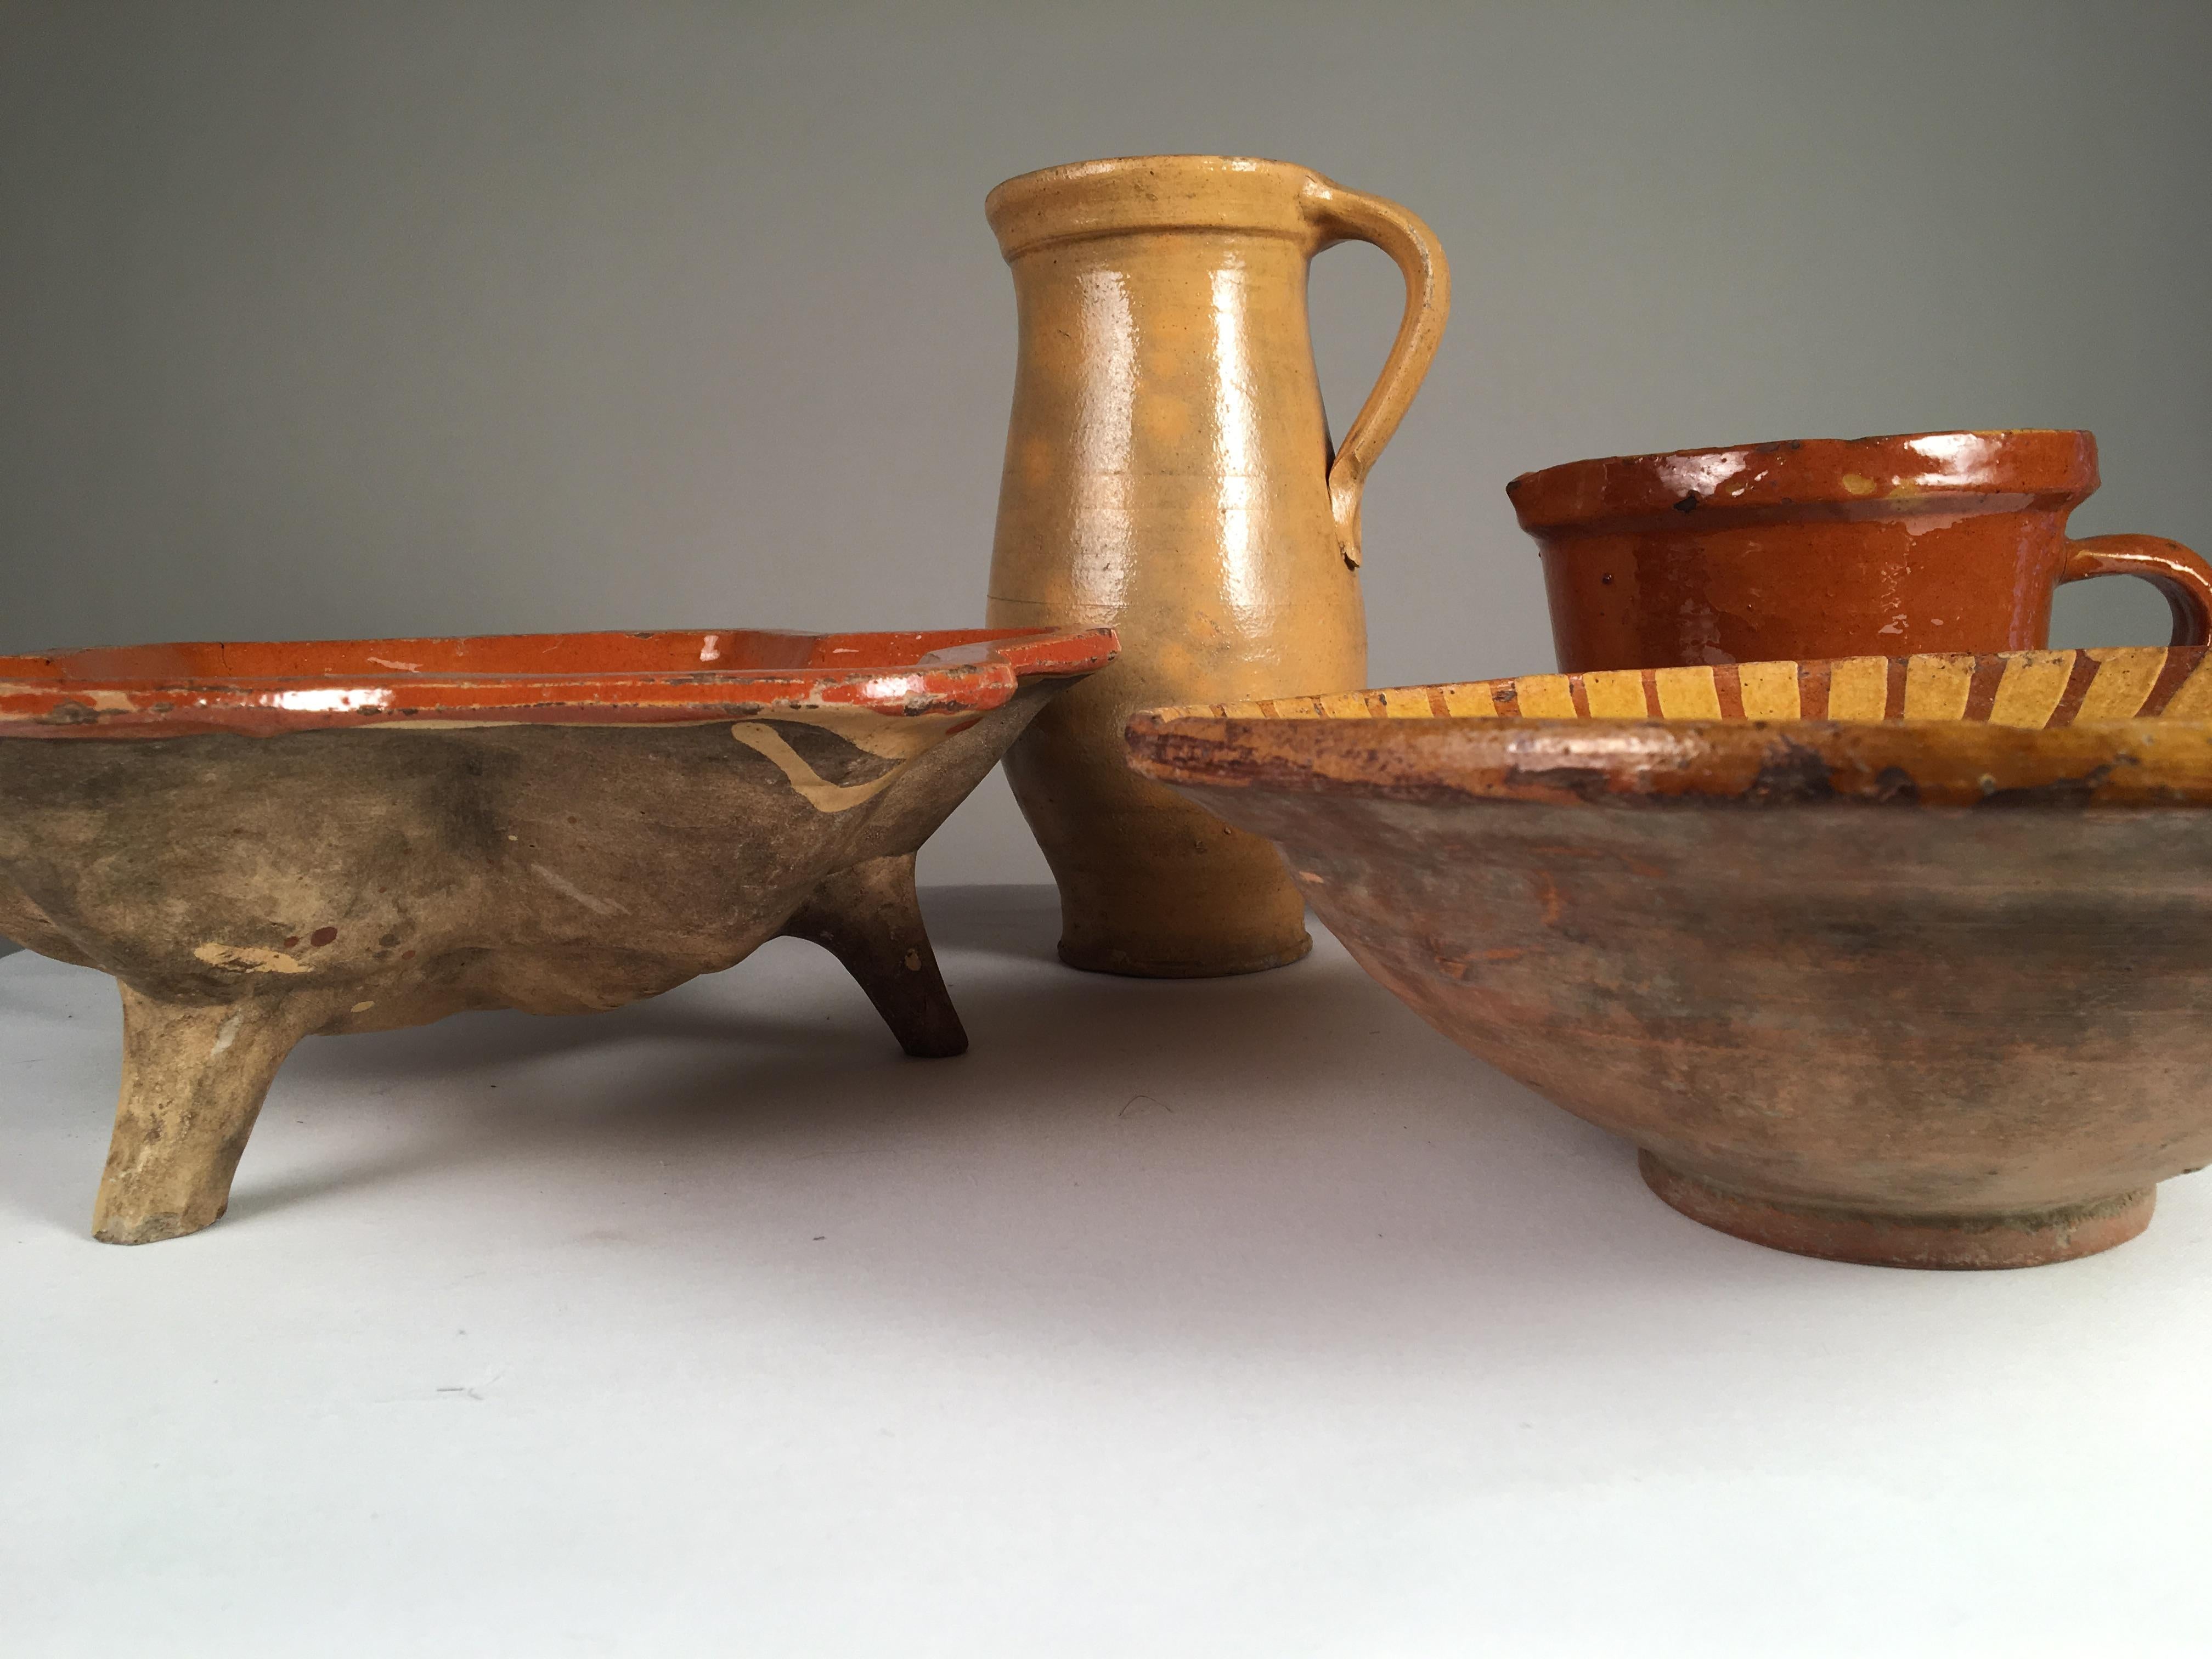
<point x="1107" y="956"/>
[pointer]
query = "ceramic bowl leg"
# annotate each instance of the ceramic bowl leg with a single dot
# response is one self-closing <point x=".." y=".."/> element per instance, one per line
<point x="869" y="918"/>
<point x="194" y="1076"/>
<point x="2022" y="1238"/>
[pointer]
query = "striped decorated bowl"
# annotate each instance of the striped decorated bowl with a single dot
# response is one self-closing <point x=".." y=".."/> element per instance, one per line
<point x="2015" y="688"/>
<point x="1894" y="960"/>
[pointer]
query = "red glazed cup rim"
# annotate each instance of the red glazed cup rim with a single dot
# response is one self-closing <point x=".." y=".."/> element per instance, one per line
<point x="2027" y="464"/>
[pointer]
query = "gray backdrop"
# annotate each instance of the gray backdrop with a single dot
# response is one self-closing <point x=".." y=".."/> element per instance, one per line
<point x="332" y="319"/>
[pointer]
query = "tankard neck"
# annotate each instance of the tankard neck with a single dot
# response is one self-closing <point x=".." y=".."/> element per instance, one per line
<point x="1140" y="194"/>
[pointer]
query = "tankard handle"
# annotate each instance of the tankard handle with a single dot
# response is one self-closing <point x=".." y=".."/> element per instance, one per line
<point x="2169" y="567"/>
<point x="1352" y="216"/>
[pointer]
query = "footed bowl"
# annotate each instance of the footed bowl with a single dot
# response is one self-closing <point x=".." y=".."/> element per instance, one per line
<point x="1903" y="961"/>
<point x="262" y="842"/>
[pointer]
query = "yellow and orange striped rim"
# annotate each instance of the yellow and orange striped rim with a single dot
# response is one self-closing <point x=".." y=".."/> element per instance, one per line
<point x="2033" y="690"/>
<point x="2124" y="727"/>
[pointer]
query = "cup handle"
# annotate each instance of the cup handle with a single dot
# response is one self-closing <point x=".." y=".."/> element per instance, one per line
<point x="2184" y="579"/>
<point x="1352" y="216"/>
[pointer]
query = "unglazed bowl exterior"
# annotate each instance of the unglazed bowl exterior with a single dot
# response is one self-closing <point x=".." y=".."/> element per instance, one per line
<point x="1897" y="961"/>
<point x="263" y="841"/>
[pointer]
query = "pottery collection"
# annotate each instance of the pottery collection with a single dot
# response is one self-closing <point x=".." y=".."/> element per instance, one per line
<point x="1883" y="932"/>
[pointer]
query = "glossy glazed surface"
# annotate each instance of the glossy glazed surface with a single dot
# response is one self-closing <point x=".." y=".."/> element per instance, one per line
<point x="1168" y="474"/>
<point x="264" y="842"/>
<point x="1818" y="548"/>
<point x="266" y="686"/>
<point x="1922" y="985"/>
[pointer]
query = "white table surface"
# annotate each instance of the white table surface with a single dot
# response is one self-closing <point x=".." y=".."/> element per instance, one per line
<point x="1245" y="1316"/>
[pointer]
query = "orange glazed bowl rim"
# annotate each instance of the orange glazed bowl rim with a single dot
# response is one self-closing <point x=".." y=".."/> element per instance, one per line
<point x="266" y="689"/>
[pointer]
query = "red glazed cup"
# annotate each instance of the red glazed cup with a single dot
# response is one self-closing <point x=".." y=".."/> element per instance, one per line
<point x="1818" y="548"/>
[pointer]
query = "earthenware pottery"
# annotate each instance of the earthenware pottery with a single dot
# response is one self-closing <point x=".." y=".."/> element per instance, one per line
<point x="1903" y="962"/>
<point x="1941" y="541"/>
<point x="264" y="841"/>
<point x="1168" y="474"/>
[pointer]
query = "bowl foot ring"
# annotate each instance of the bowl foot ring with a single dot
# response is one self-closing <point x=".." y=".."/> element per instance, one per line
<point x="2019" y="1238"/>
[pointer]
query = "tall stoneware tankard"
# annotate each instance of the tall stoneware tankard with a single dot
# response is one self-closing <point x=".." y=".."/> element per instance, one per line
<point x="1168" y="474"/>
